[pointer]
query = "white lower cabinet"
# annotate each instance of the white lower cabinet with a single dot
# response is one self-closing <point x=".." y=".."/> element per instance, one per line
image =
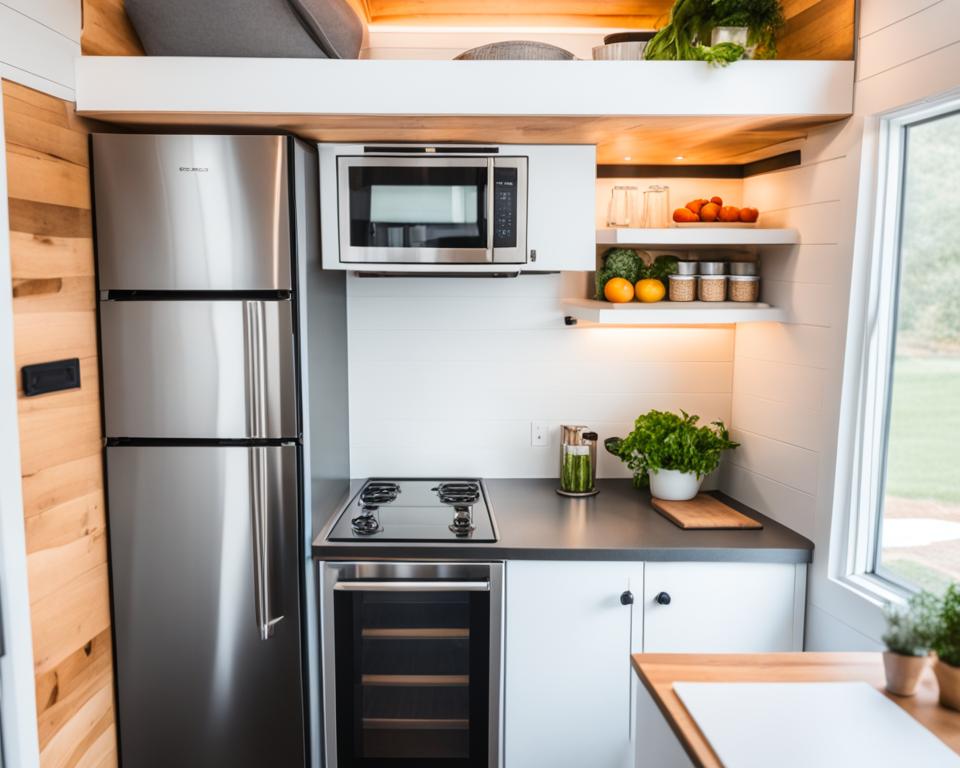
<point x="568" y="644"/>
<point x="570" y="693"/>
<point x="722" y="607"/>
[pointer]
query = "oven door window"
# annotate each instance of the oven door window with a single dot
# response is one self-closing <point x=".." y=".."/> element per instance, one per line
<point x="418" y="206"/>
<point x="412" y="678"/>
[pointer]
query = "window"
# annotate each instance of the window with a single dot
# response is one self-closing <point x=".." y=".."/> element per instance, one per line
<point x="909" y="494"/>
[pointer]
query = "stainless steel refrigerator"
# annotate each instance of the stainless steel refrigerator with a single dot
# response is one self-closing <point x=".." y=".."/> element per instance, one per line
<point x="198" y="239"/>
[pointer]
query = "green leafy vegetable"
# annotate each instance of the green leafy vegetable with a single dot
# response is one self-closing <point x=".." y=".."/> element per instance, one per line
<point x="663" y="440"/>
<point x="911" y="629"/>
<point x="686" y="36"/>
<point x="722" y="54"/>
<point x="661" y="268"/>
<point x="946" y="635"/>
<point x="619" y="262"/>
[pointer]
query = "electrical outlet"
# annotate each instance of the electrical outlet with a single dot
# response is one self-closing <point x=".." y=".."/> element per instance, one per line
<point x="539" y="434"/>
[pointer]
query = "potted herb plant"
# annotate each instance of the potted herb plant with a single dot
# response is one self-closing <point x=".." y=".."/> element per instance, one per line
<point x="687" y="35"/>
<point x="910" y="632"/>
<point x="946" y="644"/>
<point x="671" y="453"/>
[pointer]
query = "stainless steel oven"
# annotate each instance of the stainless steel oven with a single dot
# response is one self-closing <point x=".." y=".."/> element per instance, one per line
<point x="412" y="664"/>
<point x="432" y="207"/>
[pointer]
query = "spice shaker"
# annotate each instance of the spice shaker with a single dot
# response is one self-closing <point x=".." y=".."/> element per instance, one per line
<point x="578" y="461"/>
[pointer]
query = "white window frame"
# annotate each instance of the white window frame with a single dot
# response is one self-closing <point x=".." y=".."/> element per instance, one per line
<point x="861" y="542"/>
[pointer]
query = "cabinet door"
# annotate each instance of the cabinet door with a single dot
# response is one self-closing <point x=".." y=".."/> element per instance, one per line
<point x="561" y="194"/>
<point x="568" y="641"/>
<point x="721" y="607"/>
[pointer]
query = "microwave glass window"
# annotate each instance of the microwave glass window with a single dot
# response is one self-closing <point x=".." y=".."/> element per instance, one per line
<point x="396" y="204"/>
<point x="418" y="207"/>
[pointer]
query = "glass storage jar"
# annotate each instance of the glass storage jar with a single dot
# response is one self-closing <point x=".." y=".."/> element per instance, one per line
<point x="744" y="288"/>
<point x="713" y="287"/>
<point x="578" y="461"/>
<point x="683" y="287"/>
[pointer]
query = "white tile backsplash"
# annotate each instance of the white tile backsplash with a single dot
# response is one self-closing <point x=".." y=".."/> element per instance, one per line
<point x="446" y="374"/>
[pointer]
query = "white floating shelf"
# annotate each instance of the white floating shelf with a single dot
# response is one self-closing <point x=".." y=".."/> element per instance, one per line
<point x="672" y="312"/>
<point x="696" y="237"/>
<point x="237" y="86"/>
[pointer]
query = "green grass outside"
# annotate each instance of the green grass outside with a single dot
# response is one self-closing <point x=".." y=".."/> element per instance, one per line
<point x="924" y="449"/>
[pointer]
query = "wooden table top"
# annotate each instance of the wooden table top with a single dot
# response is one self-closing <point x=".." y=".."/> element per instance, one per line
<point x="659" y="671"/>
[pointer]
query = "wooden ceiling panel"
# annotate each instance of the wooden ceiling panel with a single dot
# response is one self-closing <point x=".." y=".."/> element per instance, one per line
<point x="650" y="140"/>
<point x="585" y="13"/>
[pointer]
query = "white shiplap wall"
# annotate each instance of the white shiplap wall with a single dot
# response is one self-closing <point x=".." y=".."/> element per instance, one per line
<point x="39" y="41"/>
<point x="446" y="374"/>
<point x="789" y="379"/>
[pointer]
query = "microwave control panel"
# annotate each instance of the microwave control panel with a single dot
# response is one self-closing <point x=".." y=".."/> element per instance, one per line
<point x="505" y="202"/>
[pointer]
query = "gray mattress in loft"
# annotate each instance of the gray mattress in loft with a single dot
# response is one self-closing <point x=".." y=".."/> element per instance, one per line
<point x="254" y="28"/>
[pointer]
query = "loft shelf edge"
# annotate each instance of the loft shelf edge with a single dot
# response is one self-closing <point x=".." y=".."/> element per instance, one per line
<point x="111" y="87"/>
<point x="671" y="313"/>
<point x="697" y="236"/>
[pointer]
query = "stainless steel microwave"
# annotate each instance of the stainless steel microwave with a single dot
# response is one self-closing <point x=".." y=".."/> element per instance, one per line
<point x="431" y="205"/>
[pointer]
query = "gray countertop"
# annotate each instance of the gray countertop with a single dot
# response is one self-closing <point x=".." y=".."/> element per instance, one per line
<point x="536" y="523"/>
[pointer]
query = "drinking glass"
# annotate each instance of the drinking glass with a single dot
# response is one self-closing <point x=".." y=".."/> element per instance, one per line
<point x="623" y="206"/>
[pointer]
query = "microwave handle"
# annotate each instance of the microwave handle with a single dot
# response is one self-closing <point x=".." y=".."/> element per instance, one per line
<point x="412" y="586"/>
<point x="491" y="180"/>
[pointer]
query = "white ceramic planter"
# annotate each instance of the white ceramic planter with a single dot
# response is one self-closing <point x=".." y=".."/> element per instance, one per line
<point x="671" y="485"/>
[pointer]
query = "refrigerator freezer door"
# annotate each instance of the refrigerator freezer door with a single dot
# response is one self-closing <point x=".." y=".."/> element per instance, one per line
<point x="198" y="369"/>
<point x="192" y="213"/>
<point x="198" y="684"/>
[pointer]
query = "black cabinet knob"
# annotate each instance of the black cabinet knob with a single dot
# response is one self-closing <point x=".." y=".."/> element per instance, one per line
<point x="662" y="598"/>
<point x="626" y="598"/>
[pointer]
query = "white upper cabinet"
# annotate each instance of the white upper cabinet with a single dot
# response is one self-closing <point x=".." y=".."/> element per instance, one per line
<point x="723" y="607"/>
<point x="560" y="224"/>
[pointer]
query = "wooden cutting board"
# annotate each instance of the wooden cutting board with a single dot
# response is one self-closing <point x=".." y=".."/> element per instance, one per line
<point x="704" y="511"/>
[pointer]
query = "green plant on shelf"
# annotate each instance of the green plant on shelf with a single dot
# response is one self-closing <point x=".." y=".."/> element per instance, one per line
<point x="686" y="36"/>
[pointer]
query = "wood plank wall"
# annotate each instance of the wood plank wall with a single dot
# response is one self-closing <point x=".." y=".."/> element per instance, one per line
<point x="815" y="29"/>
<point x="60" y="436"/>
<point x="107" y="31"/>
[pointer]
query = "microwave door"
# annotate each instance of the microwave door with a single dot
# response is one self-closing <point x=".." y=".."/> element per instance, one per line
<point x="415" y="210"/>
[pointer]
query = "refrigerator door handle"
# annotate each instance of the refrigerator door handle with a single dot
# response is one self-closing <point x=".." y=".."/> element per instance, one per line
<point x="255" y="343"/>
<point x="262" y="561"/>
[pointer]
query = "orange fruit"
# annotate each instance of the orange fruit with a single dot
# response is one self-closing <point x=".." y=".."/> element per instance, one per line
<point x="618" y="290"/>
<point x="650" y="290"/>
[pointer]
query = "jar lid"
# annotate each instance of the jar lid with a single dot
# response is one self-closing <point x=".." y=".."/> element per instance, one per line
<point x="743" y="278"/>
<point x="712" y="277"/>
<point x="683" y="277"/>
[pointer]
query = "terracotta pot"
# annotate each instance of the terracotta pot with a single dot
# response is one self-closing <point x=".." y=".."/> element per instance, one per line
<point x="948" y="678"/>
<point x="903" y="672"/>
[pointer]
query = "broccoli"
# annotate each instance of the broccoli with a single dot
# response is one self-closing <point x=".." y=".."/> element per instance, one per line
<point x="619" y="262"/>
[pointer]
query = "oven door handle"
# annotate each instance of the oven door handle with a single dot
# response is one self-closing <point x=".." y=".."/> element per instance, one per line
<point x="412" y="586"/>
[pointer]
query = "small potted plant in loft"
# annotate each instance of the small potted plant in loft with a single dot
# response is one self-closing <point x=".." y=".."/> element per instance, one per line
<point x="910" y="632"/>
<point x="946" y="644"/>
<point x="671" y="453"/>
<point x="689" y="34"/>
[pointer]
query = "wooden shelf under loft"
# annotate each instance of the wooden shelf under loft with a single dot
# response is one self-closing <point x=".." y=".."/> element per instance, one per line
<point x="594" y="312"/>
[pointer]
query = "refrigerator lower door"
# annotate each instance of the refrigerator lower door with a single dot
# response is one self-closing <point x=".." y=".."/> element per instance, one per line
<point x="205" y="559"/>
<point x="199" y="369"/>
<point x="191" y="213"/>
